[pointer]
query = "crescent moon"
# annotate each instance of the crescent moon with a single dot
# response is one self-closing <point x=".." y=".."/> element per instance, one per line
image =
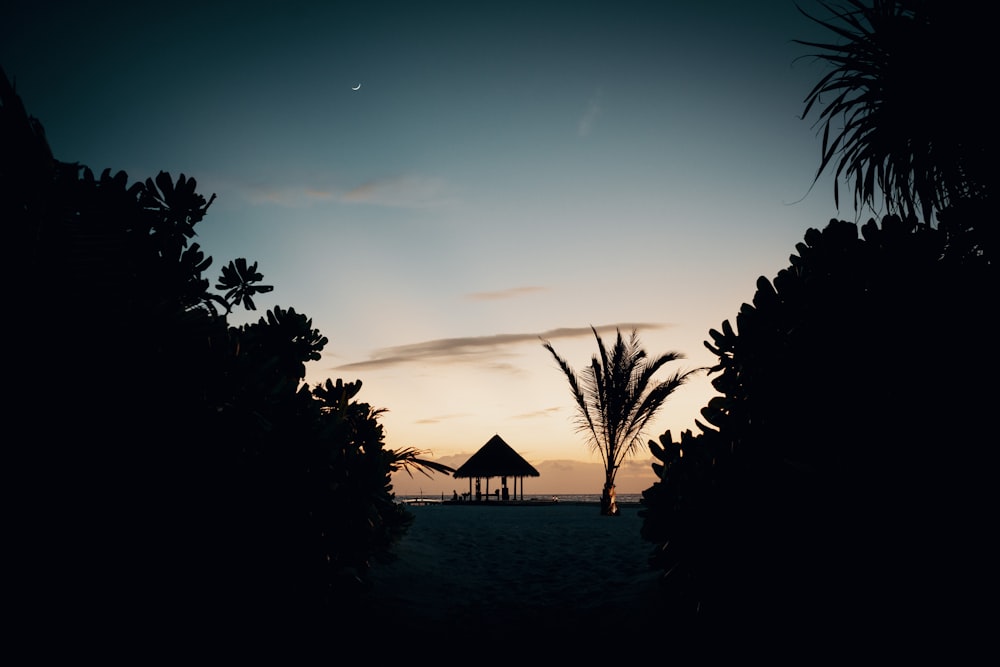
<point x="357" y="87"/>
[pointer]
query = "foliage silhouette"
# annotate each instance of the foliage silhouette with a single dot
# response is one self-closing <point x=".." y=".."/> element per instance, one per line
<point x="900" y="116"/>
<point x="838" y="480"/>
<point x="837" y="476"/>
<point x="616" y="399"/>
<point x="238" y="280"/>
<point x="189" y="466"/>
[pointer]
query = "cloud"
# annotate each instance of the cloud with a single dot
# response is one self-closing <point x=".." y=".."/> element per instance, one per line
<point x="504" y="294"/>
<point x="291" y="196"/>
<point x="400" y="192"/>
<point x="397" y="192"/>
<point x="478" y="349"/>
<point x="537" y="413"/>
<point x="441" y="418"/>
<point x="590" y="115"/>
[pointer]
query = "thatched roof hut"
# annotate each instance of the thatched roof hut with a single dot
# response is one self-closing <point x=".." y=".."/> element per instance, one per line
<point x="496" y="459"/>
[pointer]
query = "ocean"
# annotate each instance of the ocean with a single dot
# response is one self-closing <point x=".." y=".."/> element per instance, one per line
<point x="569" y="498"/>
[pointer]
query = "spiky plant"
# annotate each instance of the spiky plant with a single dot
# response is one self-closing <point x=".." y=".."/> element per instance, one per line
<point x="899" y="108"/>
<point x="616" y="398"/>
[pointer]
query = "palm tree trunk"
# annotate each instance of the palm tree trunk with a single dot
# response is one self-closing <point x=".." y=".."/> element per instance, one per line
<point x="609" y="506"/>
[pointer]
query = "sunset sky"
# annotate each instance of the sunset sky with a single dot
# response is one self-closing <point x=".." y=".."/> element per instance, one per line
<point x="507" y="171"/>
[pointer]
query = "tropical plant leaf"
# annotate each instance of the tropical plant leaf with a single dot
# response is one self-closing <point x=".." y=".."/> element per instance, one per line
<point x="239" y="282"/>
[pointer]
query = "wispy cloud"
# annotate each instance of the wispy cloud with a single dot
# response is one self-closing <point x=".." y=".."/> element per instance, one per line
<point x="398" y="192"/>
<point x="442" y="418"/>
<point x="538" y="413"/>
<point x="511" y="293"/>
<point x="291" y="196"/>
<point x="479" y="349"/>
<point x="590" y="115"/>
<point x="401" y="192"/>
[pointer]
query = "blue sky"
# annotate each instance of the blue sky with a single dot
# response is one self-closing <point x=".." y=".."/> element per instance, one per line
<point x="507" y="171"/>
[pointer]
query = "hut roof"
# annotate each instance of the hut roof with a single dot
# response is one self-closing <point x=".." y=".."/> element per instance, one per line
<point x="496" y="459"/>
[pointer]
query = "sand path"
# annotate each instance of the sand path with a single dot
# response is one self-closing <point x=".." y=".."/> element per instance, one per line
<point x="494" y="569"/>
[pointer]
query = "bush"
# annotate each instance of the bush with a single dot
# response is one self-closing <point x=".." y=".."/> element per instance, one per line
<point x="171" y="464"/>
<point x="840" y="476"/>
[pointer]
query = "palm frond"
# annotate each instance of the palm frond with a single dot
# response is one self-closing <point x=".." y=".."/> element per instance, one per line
<point x="585" y="421"/>
<point x="411" y="459"/>
<point x="617" y="397"/>
<point x="887" y="129"/>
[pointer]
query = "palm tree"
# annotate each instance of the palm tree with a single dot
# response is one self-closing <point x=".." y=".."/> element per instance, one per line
<point x="903" y="116"/>
<point x="616" y="399"/>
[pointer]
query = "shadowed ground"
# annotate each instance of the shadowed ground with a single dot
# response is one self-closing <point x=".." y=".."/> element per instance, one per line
<point x="492" y="571"/>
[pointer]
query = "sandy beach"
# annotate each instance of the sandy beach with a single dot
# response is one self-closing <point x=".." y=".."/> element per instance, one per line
<point x="483" y="572"/>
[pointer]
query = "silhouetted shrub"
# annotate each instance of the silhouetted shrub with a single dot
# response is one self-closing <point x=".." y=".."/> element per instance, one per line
<point x="169" y="462"/>
<point x="841" y="475"/>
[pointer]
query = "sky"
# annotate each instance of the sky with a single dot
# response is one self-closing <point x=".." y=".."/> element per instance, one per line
<point x="507" y="172"/>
